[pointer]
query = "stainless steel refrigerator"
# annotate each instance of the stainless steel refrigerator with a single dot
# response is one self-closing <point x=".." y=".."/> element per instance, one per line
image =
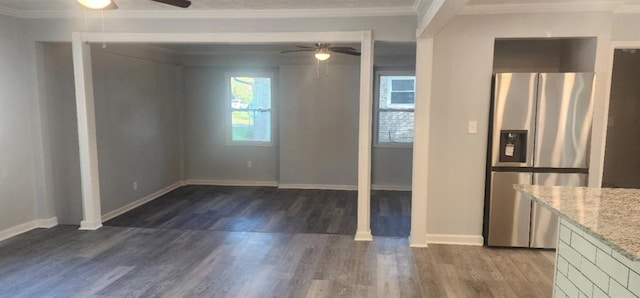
<point x="541" y="131"/>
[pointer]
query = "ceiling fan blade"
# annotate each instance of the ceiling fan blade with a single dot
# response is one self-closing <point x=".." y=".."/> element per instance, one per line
<point x="301" y="50"/>
<point x="353" y="53"/>
<point x="178" y="3"/>
<point x="342" y="49"/>
<point x="305" y="47"/>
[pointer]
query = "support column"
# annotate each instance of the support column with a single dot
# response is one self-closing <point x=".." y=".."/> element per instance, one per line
<point x="424" y="69"/>
<point x="92" y="217"/>
<point x="363" y="232"/>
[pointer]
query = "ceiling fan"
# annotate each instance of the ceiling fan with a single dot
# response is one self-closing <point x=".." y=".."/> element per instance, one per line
<point x="323" y="50"/>
<point x="109" y="4"/>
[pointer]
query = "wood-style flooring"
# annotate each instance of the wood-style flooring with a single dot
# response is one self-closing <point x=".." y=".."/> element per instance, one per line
<point x="203" y="241"/>
<point x="270" y="210"/>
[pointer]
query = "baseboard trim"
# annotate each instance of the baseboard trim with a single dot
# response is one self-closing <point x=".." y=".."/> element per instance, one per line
<point x="28" y="226"/>
<point x="89" y="225"/>
<point x="47" y="223"/>
<point x="318" y="186"/>
<point x="137" y="203"/>
<point x="472" y="240"/>
<point x="230" y="182"/>
<point x="391" y="187"/>
<point x="363" y="236"/>
<point x="413" y="242"/>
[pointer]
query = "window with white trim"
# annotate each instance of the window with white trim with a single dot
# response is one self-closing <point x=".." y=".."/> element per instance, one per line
<point x="395" y="107"/>
<point x="249" y="100"/>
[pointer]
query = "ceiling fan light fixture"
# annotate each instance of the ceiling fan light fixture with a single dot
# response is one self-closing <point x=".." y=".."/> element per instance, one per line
<point x="322" y="55"/>
<point x="94" y="4"/>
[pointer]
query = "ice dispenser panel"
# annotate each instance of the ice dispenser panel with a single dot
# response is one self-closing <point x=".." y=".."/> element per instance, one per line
<point x="513" y="146"/>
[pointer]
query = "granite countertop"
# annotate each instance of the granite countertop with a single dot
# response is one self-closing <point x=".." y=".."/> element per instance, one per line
<point x="609" y="214"/>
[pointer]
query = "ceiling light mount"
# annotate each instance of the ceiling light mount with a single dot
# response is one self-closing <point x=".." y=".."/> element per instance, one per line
<point x="95" y="4"/>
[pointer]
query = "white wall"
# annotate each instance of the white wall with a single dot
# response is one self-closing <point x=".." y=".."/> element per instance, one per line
<point x="138" y="126"/>
<point x="18" y="181"/>
<point x="462" y="72"/>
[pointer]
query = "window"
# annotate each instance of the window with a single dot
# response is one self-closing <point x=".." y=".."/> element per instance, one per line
<point x="395" y="107"/>
<point x="249" y="102"/>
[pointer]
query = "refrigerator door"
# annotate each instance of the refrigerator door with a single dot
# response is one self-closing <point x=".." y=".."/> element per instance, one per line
<point x="509" y="212"/>
<point x="544" y="223"/>
<point x="563" y="131"/>
<point x="514" y="110"/>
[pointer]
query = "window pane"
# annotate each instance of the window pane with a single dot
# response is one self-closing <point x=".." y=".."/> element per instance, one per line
<point x="250" y="92"/>
<point x="395" y="127"/>
<point x="251" y="125"/>
<point x="402" y="85"/>
<point x="403" y="98"/>
<point x="396" y="92"/>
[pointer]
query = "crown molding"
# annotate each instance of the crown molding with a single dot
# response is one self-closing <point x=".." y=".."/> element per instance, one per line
<point x="10" y="12"/>
<point x="539" y="8"/>
<point x="419" y="6"/>
<point x="628" y="9"/>
<point x="217" y="14"/>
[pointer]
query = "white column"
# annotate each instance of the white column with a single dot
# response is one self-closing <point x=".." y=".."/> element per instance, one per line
<point x="363" y="232"/>
<point x="424" y="68"/>
<point x="86" y="134"/>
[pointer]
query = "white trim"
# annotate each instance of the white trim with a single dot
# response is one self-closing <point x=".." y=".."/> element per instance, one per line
<point x="224" y="37"/>
<point x="142" y="201"/>
<point x="11" y="12"/>
<point x="365" y="132"/>
<point x="538" y="8"/>
<point x="417" y="241"/>
<point x="391" y="187"/>
<point x="90" y="225"/>
<point x="219" y="13"/>
<point x="28" y="226"/>
<point x="418" y="6"/>
<point x="230" y="182"/>
<point x="318" y="186"/>
<point x="627" y="9"/>
<point x="47" y="223"/>
<point x="428" y="17"/>
<point x="473" y="240"/>
<point x="363" y="236"/>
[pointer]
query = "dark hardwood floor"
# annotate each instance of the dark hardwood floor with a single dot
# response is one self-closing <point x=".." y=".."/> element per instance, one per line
<point x="140" y="262"/>
<point x="271" y="210"/>
<point x="203" y="241"/>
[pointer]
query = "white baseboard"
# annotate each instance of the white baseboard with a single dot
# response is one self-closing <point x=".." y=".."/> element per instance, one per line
<point x="472" y="240"/>
<point x="416" y="243"/>
<point x="89" y="225"/>
<point x="137" y="203"/>
<point x="28" y="226"/>
<point x="363" y="236"/>
<point x="47" y="223"/>
<point x="318" y="186"/>
<point x="391" y="187"/>
<point x="230" y="182"/>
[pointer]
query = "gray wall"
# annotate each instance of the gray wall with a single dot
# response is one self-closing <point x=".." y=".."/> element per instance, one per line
<point x="319" y="125"/>
<point x="138" y="126"/>
<point x="207" y="155"/>
<point x="622" y="161"/>
<point x="17" y="176"/>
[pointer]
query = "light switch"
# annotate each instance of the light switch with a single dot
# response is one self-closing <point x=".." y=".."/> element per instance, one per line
<point x="473" y="127"/>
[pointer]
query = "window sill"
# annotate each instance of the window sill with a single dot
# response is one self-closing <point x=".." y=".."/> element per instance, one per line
<point x="394" y="145"/>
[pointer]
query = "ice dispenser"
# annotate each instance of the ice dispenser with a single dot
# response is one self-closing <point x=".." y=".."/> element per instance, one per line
<point x="513" y="146"/>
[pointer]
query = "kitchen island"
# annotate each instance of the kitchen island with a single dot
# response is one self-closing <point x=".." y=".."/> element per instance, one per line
<point x="598" y="252"/>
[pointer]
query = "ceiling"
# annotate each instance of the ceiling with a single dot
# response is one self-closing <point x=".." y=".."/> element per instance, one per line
<point x="499" y="2"/>
<point x="65" y="5"/>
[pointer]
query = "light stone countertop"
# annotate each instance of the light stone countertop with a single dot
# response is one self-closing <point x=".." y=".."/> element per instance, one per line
<point x="609" y="214"/>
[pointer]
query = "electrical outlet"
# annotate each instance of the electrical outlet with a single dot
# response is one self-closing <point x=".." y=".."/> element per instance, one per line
<point x="135" y="185"/>
<point x="249" y="164"/>
<point x="473" y="127"/>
